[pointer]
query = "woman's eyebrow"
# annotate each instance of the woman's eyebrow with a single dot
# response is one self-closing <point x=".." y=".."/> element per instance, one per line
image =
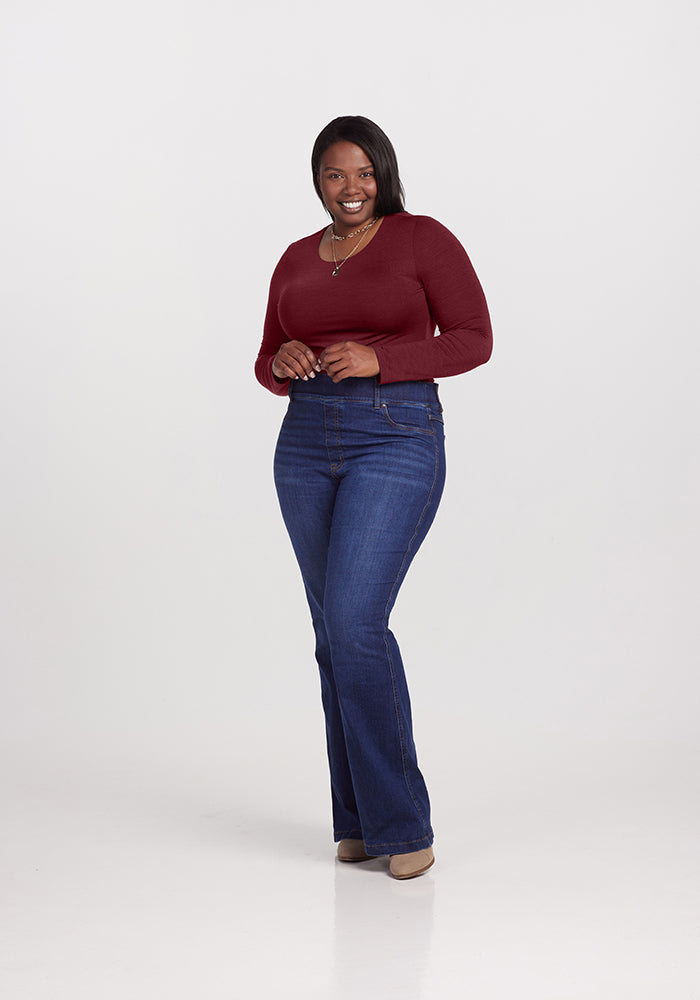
<point x="340" y="171"/>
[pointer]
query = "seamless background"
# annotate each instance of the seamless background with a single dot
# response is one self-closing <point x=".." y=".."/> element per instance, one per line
<point x="157" y="669"/>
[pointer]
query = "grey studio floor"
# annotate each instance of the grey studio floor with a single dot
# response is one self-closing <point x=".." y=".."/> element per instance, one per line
<point x="173" y="873"/>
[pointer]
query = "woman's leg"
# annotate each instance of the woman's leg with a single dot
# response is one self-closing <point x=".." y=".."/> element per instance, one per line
<point x="306" y="488"/>
<point x="385" y="503"/>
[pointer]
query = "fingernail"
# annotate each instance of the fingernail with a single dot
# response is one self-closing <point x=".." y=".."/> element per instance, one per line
<point x="306" y="378"/>
<point x="312" y="374"/>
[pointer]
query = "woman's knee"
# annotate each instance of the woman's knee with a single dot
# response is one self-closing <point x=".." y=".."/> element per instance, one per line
<point x="352" y="627"/>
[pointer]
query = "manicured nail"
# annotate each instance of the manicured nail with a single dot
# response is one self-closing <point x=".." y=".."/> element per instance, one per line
<point x="312" y="374"/>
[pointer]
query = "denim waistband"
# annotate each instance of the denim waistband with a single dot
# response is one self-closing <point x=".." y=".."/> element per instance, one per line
<point x="366" y="390"/>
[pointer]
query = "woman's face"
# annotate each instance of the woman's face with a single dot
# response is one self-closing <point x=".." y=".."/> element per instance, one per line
<point x="348" y="186"/>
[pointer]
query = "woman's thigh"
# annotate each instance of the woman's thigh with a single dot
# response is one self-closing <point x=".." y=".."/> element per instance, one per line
<point x="385" y="504"/>
<point x="306" y="489"/>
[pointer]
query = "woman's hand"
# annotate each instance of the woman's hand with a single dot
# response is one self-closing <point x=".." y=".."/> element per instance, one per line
<point x="349" y="359"/>
<point x="295" y="360"/>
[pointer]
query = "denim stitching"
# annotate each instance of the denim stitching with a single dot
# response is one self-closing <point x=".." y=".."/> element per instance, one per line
<point x="395" y="843"/>
<point x="311" y="397"/>
<point x="335" y="430"/>
<point x="314" y="398"/>
<point x="407" y="427"/>
<point x="394" y="589"/>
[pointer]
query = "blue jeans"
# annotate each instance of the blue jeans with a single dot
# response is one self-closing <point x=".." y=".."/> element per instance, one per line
<point x="359" y="471"/>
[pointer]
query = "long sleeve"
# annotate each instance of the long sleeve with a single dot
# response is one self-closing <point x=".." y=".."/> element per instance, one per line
<point x="273" y="338"/>
<point x="457" y="304"/>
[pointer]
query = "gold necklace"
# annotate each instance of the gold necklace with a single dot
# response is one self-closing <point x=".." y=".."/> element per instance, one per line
<point x="334" y="235"/>
<point x="339" y="263"/>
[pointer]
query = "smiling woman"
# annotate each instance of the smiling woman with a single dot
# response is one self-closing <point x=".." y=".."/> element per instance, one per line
<point x="348" y="185"/>
<point x="379" y="157"/>
<point x="360" y="463"/>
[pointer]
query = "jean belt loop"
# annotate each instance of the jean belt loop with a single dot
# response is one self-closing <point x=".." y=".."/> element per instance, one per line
<point x="377" y="394"/>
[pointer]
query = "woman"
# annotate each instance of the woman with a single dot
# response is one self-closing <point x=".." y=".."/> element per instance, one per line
<point x="359" y="467"/>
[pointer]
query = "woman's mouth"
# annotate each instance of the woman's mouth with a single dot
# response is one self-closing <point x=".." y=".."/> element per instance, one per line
<point x="352" y="206"/>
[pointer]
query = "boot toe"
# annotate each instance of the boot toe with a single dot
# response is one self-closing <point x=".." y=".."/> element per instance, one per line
<point x="410" y="865"/>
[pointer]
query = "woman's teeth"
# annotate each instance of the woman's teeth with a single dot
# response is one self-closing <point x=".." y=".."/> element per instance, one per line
<point x="351" y="204"/>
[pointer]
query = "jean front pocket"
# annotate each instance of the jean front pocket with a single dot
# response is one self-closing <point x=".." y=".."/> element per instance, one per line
<point x="413" y="417"/>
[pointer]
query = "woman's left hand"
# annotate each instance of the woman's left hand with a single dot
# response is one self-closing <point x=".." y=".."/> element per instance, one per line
<point x="349" y="360"/>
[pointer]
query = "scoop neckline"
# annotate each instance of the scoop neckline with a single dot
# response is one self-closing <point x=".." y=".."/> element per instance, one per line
<point x="359" y="252"/>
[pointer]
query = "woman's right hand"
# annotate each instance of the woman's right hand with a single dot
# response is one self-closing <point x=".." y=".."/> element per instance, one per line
<point x="295" y="360"/>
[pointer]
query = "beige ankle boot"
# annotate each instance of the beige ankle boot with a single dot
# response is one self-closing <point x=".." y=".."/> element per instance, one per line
<point x="352" y="850"/>
<point x="410" y="865"/>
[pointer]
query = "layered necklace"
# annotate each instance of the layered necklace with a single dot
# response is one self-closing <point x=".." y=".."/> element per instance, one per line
<point x="339" y="263"/>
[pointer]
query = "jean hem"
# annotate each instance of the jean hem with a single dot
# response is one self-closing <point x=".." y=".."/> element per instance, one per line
<point x="400" y="846"/>
<point x="339" y="835"/>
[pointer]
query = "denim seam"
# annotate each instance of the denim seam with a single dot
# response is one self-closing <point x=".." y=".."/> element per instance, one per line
<point x="334" y="466"/>
<point x="392" y="671"/>
<point x="395" y="843"/>
<point x="317" y="398"/>
<point x="392" y="400"/>
<point x="407" y="427"/>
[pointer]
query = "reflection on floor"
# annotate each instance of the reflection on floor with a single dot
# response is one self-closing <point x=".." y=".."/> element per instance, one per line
<point x="131" y="880"/>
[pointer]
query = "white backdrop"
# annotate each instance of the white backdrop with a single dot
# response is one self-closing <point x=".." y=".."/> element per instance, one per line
<point x="155" y="165"/>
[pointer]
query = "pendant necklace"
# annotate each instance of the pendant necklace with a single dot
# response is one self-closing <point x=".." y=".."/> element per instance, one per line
<point x="339" y="263"/>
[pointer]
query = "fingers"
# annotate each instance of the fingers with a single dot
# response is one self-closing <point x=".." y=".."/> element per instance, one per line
<point x="344" y="360"/>
<point x="337" y="370"/>
<point x="337" y="374"/>
<point x="348" y="360"/>
<point x="334" y="361"/>
<point x="295" y="360"/>
<point x="332" y="353"/>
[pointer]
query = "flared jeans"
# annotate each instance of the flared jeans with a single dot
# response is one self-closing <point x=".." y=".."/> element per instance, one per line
<point x="359" y="471"/>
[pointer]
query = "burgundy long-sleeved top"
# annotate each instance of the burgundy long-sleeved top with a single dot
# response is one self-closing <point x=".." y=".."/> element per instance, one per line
<point x="414" y="275"/>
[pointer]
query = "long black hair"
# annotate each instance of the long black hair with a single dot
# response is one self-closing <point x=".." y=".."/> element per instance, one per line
<point x="376" y="144"/>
